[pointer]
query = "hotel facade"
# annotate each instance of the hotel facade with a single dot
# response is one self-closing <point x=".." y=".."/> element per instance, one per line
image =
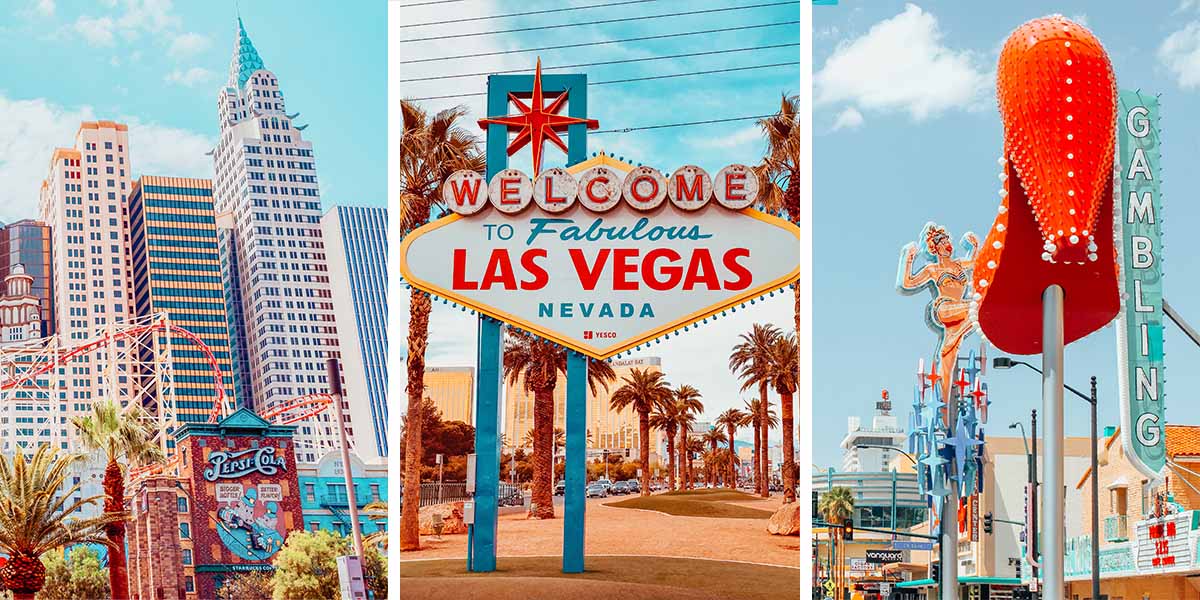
<point x="265" y="178"/>
<point x="176" y="274"/>
<point x="356" y="250"/>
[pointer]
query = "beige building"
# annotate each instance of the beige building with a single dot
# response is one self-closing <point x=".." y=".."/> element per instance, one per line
<point x="608" y="429"/>
<point x="452" y="389"/>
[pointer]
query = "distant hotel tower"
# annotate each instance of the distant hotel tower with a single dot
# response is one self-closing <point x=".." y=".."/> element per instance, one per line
<point x="84" y="201"/>
<point x="177" y="272"/>
<point x="27" y="243"/>
<point x="266" y="179"/>
<point x="356" y="246"/>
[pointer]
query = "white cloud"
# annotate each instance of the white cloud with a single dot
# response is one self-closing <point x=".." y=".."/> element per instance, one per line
<point x="37" y="126"/>
<point x="156" y="149"/>
<point x="1180" y="54"/>
<point x="44" y="8"/>
<point x="741" y="137"/>
<point x="188" y="44"/>
<point x="189" y="78"/>
<point x="901" y="65"/>
<point x="97" y="31"/>
<point x="848" y="119"/>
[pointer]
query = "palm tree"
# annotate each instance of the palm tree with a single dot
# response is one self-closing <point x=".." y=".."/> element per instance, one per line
<point x="749" y="361"/>
<point x="780" y="168"/>
<point x="666" y="419"/>
<point x="430" y="150"/>
<point x="688" y="399"/>
<point x="122" y="435"/>
<point x="713" y="437"/>
<point x="836" y="506"/>
<point x="536" y="364"/>
<point x="695" y="446"/>
<point x="785" y="376"/>
<point x="731" y="420"/>
<point x="753" y="409"/>
<point x="643" y="390"/>
<point x="35" y="508"/>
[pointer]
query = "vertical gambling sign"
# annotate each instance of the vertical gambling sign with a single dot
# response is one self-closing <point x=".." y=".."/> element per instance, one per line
<point x="1140" y="330"/>
<point x="603" y="256"/>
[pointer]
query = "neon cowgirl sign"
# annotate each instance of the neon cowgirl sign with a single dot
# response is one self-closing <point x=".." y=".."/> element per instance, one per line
<point x="232" y="465"/>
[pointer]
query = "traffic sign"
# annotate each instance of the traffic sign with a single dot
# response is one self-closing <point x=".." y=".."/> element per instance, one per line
<point x="900" y="545"/>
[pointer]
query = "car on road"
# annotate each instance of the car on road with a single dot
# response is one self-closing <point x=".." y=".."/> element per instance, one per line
<point x="596" y="491"/>
<point x="560" y="488"/>
<point x="620" y="488"/>
<point x="633" y="486"/>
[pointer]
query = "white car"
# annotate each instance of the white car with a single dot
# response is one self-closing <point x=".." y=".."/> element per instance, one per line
<point x="596" y="491"/>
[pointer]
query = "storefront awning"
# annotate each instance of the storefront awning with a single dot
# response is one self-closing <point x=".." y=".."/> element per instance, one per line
<point x="920" y="583"/>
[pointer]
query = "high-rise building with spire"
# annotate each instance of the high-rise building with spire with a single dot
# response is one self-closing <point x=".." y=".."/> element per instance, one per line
<point x="266" y="178"/>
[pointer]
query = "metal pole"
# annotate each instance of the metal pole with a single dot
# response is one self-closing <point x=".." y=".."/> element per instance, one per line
<point x="1095" y="503"/>
<point x="334" y="373"/>
<point x="948" y="547"/>
<point x="1035" y="540"/>
<point x="1052" y="437"/>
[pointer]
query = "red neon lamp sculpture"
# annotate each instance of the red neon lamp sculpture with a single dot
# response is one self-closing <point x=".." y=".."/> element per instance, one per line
<point x="1057" y="97"/>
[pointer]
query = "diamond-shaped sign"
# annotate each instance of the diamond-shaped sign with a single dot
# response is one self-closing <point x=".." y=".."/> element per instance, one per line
<point x="603" y="282"/>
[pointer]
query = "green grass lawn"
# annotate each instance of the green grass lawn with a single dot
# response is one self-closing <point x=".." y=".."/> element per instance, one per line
<point x="712" y="503"/>
<point x="542" y="577"/>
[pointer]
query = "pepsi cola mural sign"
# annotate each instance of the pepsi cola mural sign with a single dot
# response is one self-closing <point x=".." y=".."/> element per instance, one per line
<point x="602" y="256"/>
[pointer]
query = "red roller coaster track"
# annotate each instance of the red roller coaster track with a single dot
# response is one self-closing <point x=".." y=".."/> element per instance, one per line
<point x="308" y="406"/>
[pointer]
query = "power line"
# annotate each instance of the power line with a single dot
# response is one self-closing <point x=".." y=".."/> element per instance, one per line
<point x="428" y="3"/>
<point x="600" y="43"/>
<point x="634" y="79"/>
<point x="607" y="62"/>
<point x="600" y="22"/>
<point x="689" y="123"/>
<point x="526" y="14"/>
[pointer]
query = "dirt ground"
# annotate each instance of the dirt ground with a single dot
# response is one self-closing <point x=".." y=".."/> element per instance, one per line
<point x="621" y="531"/>
<point x="607" y="577"/>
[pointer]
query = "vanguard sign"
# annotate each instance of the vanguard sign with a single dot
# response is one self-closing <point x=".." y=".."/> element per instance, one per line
<point x="1140" y="331"/>
<point x="610" y="257"/>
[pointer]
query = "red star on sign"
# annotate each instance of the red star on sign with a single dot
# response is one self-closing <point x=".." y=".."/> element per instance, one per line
<point x="537" y="122"/>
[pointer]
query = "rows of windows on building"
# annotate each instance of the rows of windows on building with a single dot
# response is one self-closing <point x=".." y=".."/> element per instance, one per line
<point x="246" y="262"/>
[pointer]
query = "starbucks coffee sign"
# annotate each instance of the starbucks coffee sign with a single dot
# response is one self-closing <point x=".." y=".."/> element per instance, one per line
<point x="232" y="465"/>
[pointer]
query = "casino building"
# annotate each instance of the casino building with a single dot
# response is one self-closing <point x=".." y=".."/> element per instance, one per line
<point x="238" y="495"/>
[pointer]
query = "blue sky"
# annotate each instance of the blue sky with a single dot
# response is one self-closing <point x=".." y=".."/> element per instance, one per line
<point x="698" y="358"/>
<point x="906" y="130"/>
<point x="158" y="66"/>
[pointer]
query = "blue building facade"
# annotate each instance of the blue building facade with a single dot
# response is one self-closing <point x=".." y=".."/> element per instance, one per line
<point x="356" y="247"/>
<point x="325" y="502"/>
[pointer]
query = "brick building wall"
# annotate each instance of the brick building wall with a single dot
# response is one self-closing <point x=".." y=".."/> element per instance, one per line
<point x="156" y="570"/>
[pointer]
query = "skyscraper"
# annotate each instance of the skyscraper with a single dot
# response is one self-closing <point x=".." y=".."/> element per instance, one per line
<point x="452" y="390"/>
<point x="265" y="177"/>
<point x="356" y="249"/>
<point x="176" y="271"/>
<point x="84" y="201"/>
<point x="607" y="428"/>
<point x="27" y="243"/>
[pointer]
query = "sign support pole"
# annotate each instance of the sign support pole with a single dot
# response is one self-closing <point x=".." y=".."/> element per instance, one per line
<point x="574" y="500"/>
<point x="948" y="546"/>
<point x="482" y="558"/>
<point x="1052" y="438"/>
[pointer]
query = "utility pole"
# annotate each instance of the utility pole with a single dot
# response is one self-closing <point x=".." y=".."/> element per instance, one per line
<point x="334" y="373"/>
<point x="1033" y="500"/>
<point x="1095" y="502"/>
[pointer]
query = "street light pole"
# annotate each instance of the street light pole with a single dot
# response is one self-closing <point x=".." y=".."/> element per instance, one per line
<point x="333" y="372"/>
<point x="1005" y="363"/>
<point x="1095" y="503"/>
